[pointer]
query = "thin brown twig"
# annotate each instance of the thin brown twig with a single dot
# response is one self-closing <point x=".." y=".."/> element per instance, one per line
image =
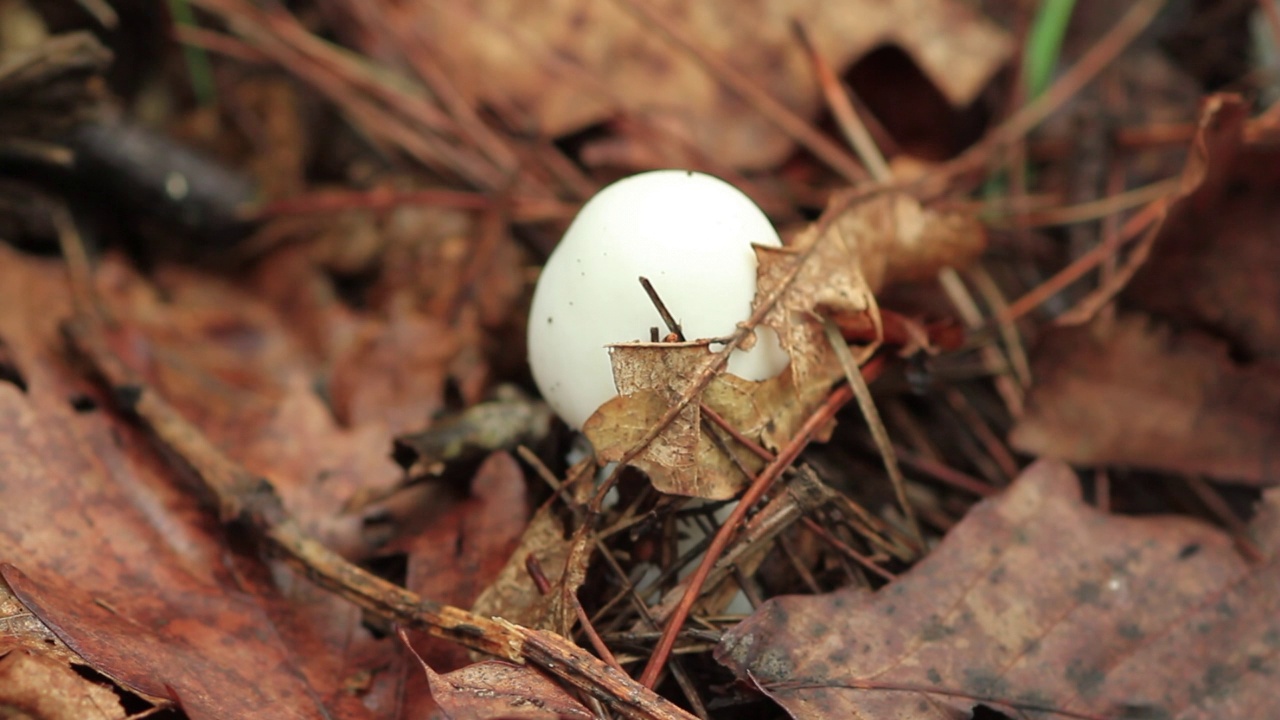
<point x="540" y="580"/>
<point x="1014" y="348"/>
<point x="1133" y="227"/>
<point x="846" y="115"/>
<point x="756" y="448"/>
<point x="804" y="493"/>
<point x="875" y="424"/>
<point x="322" y="202"/>
<point x="668" y="319"/>
<point x="1098" y="58"/>
<point x="414" y="47"/>
<point x="845" y="550"/>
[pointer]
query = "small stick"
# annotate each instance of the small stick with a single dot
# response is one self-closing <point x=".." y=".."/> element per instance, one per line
<point x="673" y="327"/>
<point x="837" y="95"/>
<point x="845" y="550"/>
<point x="242" y="496"/>
<point x="878" y="432"/>
<point x="755" y="447"/>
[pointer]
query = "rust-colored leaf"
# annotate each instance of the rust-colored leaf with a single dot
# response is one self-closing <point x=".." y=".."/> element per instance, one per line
<point x="1128" y="393"/>
<point x="1131" y="392"/>
<point x="1214" y="263"/>
<point x="456" y="555"/>
<point x="117" y="558"/>
<point x="1038" y="604"/>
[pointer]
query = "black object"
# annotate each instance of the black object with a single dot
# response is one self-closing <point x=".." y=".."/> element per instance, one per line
<point x="152" y="175"/>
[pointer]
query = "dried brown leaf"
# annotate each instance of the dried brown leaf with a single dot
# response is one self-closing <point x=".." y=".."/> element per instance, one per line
<point x="570" y="64"/>
<point x="1214" y="263"/>
<point x="1128" y="393"/>
<point x="513" y="594"/>
<point x="833" y="267"/>
<point x="1039" y="605"/>
<point x="684" y="459"/>
<point x="836" y="266"/>
<point x="116" y="555"/>
<point x="500" y="690"/>
<point x="34" y="685"/>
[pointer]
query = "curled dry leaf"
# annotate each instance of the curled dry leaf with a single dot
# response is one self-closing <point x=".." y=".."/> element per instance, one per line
<point x="513" y="595"/>
<point x="1216" y="257"/>
<point x="837" y="265"/>
<point x="1038" y="605"/>
<point x="832" y="267"/>
<point x="33" y="685"/>
<point x="36" y="674"/>
<point x="1128" y="393"/>
<point x="570" y="64"/>
<point x="500" y="690"/>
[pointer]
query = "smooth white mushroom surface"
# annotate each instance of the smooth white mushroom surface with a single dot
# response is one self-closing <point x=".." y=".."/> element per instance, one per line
<point x="690" y="234"/>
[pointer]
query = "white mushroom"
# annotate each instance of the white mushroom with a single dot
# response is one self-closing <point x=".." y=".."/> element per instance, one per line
<point x="690" y="234"/>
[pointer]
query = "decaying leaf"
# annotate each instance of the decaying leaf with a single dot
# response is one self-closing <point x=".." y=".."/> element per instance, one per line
<point x="834" y="266"/>
<point x="1038" y="605"/>
<point x="33" y="685"/>
<point x="500" y="690"/>
<point x="685" y="459"/>
<point x="837" y="265"/>
<point x="36" y="674"/>
<point x="513" y="594"/>
<point x="117" y="558"/>
<point x="1215" y="260"/>
<point x="1127" y="393"/>
<point x="568" y="64"/>
<point x="1131" y="394"/>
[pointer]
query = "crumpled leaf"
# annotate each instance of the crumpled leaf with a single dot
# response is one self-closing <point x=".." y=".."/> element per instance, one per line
<point x="1177" y="400"/>
<point x="513" y="595"/>
<point x="832" y="267"/>
<point x="1215" y="260"/>
<point x="570" y="64"/>
<point x="103" y="524"/>
<point x="1128" y="393"/>
<point x="837" y="265"/>
<point x="495" y="689"/>
<point x="1036" y="604"/>
<point x="33" y="685"/>
<point x="685" y="459"/>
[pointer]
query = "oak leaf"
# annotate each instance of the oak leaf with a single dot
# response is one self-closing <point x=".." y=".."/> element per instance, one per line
<point x="1039" y="605"/>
